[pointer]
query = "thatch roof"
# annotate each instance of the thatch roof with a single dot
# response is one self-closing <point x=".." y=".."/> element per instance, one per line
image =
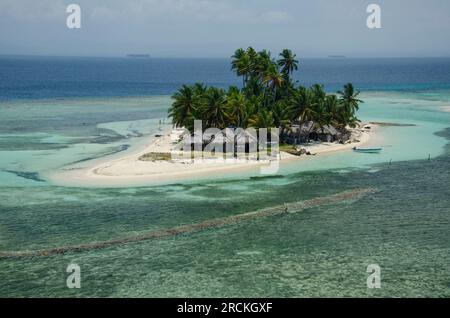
<point x="327" y="130"/>
<point x="302" y="129"/>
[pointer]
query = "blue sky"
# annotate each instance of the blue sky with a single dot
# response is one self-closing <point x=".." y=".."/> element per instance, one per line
<point x="215" y="28"/>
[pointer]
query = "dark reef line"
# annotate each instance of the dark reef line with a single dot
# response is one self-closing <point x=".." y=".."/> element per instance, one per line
<point x="186" y="229"/>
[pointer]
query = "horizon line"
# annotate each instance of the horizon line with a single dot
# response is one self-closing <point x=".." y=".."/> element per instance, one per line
<point x="125" y="56"/>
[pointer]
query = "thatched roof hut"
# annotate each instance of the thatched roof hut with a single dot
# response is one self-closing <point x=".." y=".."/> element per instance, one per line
<point x="327" y="130"/>
<point x="300" y="133"/>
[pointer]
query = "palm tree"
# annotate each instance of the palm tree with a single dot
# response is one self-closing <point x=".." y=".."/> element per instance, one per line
<point x="349" y="98"/>
<point x="288" y="63"/>
<point x="303" y="107"/>
<point x="199" y="89"/>
<point x="273" y="79"/>
<point x="331" y="109"/>
<point x="263" y="63"/>
<point x="319" y="96"/>
<point x="280" y="114"/>
<point x="318" y="93"/>
<point x="236" y="106"/>
<point x="262" y="119"/>
<point x="244" y="68"/>
<point x="253" y="58"/>
<point x="252" y="106"/>
<point x="183" y="106"/>
<point x="320" y="117"/>
<point x="241" y="64"/>
<point x="236" y="57"/>
<point x="215" y="108"/>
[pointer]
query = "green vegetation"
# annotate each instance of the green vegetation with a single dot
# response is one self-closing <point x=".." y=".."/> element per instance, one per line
<point x="156" y="156"/>
<point x="268" y="98"/>
<point x="290" y="149"/>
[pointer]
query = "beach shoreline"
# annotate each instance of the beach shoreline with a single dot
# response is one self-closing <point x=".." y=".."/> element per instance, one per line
<point x="130" y="170"/>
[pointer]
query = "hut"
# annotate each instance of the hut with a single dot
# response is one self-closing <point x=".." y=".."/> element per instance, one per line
<point x="325" y="133"/>
<point x="298" y="134"/>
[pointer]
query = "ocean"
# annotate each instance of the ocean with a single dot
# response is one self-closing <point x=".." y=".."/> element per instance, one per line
<point x="65" y="77"/>
<point x="57" y="113"/>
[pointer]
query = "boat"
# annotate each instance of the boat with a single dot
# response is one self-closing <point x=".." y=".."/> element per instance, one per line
<point x="138" y="56"/>
<point x="367" y="150"/>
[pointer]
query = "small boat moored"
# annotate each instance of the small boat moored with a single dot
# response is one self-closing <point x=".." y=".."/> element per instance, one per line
<point x="367" y="150"/>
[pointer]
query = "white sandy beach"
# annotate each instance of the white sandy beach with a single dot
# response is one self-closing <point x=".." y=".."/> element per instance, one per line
<point x="129" y="170"/>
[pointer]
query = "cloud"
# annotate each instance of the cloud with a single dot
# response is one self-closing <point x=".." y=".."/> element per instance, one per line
<point x="211" y="10"/>
<point x="28" y="10"/>
<point x="216" y="27"/>
<point x="276" y="17"/>
<point x="144" y="10"/>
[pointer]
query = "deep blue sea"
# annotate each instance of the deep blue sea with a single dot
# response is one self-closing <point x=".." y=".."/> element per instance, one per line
<point x="57" y="114"/>
<point x="66" y="77"/>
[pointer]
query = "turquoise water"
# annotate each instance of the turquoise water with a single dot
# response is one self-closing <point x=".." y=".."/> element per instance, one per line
<point x="323" y="251"/>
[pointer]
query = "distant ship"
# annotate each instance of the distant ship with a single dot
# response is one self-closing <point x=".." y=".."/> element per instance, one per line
<point x="138" y="56"/>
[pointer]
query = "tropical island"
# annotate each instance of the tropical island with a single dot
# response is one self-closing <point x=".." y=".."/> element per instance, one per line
<point x="310" y="121"/>
<point x="269" y="97"/>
